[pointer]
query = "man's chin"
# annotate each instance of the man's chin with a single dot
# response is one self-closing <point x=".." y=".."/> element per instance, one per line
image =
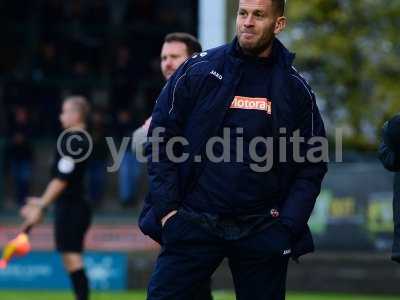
<point x="252" y="48"/>
<point x="247" y="44"/>
<point x="248" y="48"/>
<point x="168" y="75"/>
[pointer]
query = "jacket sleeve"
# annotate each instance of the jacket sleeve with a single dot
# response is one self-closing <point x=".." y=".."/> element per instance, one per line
<point x="387" y="154"/>
<point x="390" y="157"/>
<point x="396" y="219"/>
<point x="306" y="186"/>
<point x="140" y="136"/>
<point x="168" y="119"/>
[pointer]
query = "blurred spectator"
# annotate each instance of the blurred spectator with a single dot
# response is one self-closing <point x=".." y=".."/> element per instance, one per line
<point x="52" y="18"/>
<point x="182" y="13"/>
<point x="16" y="10"/>
<point x="98" y="160"/>
<point x="96" y="20"/>
<point x="142" y="22"/>
<point x="75" y="36"/>
<point x="48" y="65"/>
<point x="81" y="79"/>
<point x="124" y="78"/>
<point x="169" y="19"/>
<point x="140" y="11"/>
<point x="97" y="14"/>
<point x="130" y="168"/>
<point x="75" y="12"/>
<point x="153" y="84"/>
<point x="47" y="104"/>
<point x="3" y="122"/>
<point x="20" y="153"/>
<point x="52" y="13"/>
<point x="17" y="91"/>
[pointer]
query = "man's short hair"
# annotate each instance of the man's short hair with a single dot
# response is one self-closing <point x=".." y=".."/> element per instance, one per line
<point x="81" y="103"/>
<point x="280" y="6"/>
<point x="192" y="44"/>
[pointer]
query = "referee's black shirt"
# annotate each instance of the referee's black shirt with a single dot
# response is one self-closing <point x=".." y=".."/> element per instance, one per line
<point x="69" y="165"/>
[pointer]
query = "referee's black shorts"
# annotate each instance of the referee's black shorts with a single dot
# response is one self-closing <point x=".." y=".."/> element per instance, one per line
<point x="71" y="222"/>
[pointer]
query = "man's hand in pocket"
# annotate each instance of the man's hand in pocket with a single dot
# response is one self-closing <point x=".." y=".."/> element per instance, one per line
<point x="169" y="215"/>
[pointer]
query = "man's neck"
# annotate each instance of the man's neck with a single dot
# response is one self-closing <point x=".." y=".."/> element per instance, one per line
<point x="266" y="53"/>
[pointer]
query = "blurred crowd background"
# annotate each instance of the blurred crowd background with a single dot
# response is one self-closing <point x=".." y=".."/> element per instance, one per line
<point x="109" y="51"/>
<point x="106" y="50"/>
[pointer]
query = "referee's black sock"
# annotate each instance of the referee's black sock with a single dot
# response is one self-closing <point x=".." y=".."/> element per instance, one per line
<point x="80" y="284"/>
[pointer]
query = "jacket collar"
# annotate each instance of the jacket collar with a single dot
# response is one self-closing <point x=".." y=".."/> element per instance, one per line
<point x="281" y="54"/>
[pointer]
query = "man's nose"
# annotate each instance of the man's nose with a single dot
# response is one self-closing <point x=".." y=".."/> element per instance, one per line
<point x="249" y="21"/>
<point x="168" y="63"/>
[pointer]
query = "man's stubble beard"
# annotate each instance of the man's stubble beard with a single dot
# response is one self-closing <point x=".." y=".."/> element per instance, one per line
<point x="263" y="44"/>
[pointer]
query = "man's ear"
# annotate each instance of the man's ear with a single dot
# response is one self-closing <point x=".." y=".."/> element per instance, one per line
<point x="280" y="24"/>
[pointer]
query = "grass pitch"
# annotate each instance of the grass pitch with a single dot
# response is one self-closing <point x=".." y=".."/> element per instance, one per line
<point x="140" y="295"/>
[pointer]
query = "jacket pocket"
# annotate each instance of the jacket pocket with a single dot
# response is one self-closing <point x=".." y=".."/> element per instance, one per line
<point x="170" y="232"/>
<point x="281" y="239"/>
<point x="149" y="224"/>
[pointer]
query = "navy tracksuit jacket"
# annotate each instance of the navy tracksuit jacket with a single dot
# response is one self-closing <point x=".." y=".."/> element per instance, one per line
<point x="389" y="154"/>
<point x="193" y="104"/>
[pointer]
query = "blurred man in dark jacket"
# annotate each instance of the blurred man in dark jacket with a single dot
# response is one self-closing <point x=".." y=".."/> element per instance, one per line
<point x="389" y="154"/>
<point x="20" y="153"/>
<point x="97" y="166"/>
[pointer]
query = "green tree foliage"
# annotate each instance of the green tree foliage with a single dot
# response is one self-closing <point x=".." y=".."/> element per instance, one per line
<point x="350" y="52"/>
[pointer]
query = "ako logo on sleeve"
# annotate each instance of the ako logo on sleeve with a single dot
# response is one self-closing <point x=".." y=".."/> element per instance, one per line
<point x="263" y="104"/>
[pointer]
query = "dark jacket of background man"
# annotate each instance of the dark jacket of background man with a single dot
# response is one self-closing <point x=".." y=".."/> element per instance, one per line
<point x="389" y="154"/>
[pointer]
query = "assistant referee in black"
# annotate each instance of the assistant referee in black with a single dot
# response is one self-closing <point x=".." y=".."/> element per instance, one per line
<point x="66" y="188"/>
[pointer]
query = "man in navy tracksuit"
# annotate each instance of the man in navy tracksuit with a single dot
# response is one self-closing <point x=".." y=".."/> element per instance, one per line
<point x="389" y="154"/>
<point x="205" y="211"/>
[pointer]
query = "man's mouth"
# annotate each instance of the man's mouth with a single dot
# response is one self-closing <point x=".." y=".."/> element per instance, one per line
<point x="248" y="34"/>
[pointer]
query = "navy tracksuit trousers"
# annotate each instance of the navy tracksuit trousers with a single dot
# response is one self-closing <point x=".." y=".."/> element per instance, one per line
<point x="190" y="254"/>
